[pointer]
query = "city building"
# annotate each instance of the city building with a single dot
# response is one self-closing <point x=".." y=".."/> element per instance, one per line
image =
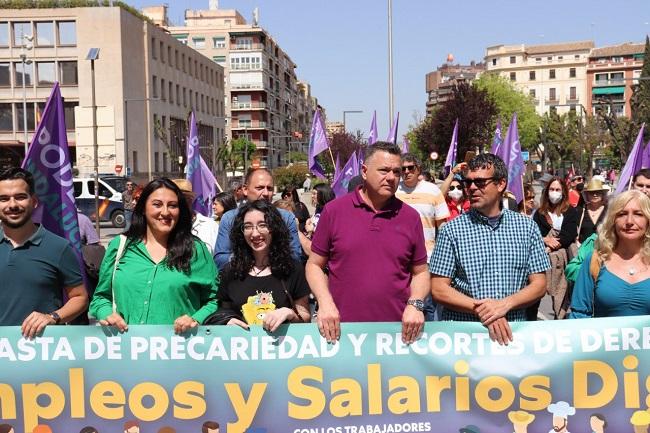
<point x="611" y="73"/>
<point x="439" y="83"/>
<point x="334" y="128"/>
<point x="553" y="74"/>
<point x="264" y="101"/>
<point x="146" y="84"/>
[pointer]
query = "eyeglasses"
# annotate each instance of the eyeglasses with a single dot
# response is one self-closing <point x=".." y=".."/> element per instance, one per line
<point x="262" y="228"/>
<point x="408" y="167"/>
<point x="531" y="197"/>
<point x="480" y="182"/>
<point x="453" y="187"/>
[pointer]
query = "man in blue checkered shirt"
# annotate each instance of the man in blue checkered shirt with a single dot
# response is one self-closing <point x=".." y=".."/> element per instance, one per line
<point x="489" y="263"/>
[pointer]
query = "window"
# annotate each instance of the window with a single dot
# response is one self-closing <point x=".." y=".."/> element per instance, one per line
<point x="577" y="57"/>
<point x="162" y="52"/>
<point x="184" y="97"/>
<point x="560" y="58"/>
<point x="199" y="43"/>
<point x="170" y="59"/>
<point x="164" y="161"/>
<point x="513" y="76"/>
<point x="171" y="92"/>
<point x="572" y="93"/>
<point x="18" y="77"/>
<point x="104" y="192"/>
<point x="549" y="58"/>
<point x="154" y="86"/>
<point x="513" y="60"/>
<point x="67" y="32"/>
<point x="68" y="73"/>
<point x="30" y="116"/>
<point x="538" y="60"/>
<point x="532" y="92"/>
<point x="21" y="29"/>
<point x="4" y="34"/>
<point x="494" y="62"/>
<point x="572" y="72"/>
<point x="163" y="90"/>
<point x="178" y="94"/>
<point x="154" y="48"/>
<point x="551" y="94"/>
<point x="45" y="34"/>
<point x="46" y="73"/>
<point x="5" y="79"/>
<point x="617" y="78"/>
<point x="219" y="42"/>
<point x="68" y="108"/>
<point x="551" y="74"/>
<point x="155" y="161"/>
<point x="77" y="185"/>
<point x="531" y="75"/>
<point x="6" y="123"/>
<point x="135" y="161"/>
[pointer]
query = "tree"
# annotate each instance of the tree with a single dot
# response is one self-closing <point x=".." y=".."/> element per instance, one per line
<point x="641" y="97"/>
<point x="508" y="100"/>
<point x="560" y="137"/>
<point x="475" y="112"/>
<point x="341" y="144"/>
<point x="233" y="155"/>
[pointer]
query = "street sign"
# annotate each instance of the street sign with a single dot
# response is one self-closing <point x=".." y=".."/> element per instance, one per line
<point x="433" y="155"/>
<point x="525" y="155"/>
<point x="118" y="168"/>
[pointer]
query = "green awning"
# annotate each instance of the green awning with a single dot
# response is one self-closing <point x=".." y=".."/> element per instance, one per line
<point x="608" y="90"/>
<point x="181" y="35"/>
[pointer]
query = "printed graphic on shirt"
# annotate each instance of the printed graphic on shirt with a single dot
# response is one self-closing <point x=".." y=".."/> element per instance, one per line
<point x="257" y="306"/>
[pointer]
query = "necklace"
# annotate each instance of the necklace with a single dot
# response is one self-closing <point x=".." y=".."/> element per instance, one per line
<point x="257" y="270"/>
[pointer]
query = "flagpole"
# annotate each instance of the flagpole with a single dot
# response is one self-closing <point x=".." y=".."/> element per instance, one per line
<point x="524" y="199"/>
<point x="332" y="156"/>
<point x="390" y="61"/>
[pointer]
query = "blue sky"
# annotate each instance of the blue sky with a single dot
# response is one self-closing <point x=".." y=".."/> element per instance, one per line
<point x="340" y="46"/>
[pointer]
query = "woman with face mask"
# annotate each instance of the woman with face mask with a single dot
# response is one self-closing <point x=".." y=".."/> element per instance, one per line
<point x="558" y="223"/>
<point x="457" y="201"/>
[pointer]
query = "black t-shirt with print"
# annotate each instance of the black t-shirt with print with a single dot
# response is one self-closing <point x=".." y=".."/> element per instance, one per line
<point x="233" y="293"/>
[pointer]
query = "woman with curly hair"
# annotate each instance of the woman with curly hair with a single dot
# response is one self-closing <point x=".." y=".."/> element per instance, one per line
<point x="262" y="284"/>
<point x="615" y="279"/>
<point x="157" y="273"/>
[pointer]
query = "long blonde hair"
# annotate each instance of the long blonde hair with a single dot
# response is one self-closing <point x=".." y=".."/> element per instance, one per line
<point x="607" y="238"/>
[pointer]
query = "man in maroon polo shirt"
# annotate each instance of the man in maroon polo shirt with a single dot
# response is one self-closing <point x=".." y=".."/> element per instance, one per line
<point x="373" y="245"/>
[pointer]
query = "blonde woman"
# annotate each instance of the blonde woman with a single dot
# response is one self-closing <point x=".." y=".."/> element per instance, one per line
<point x="616" y="281"/>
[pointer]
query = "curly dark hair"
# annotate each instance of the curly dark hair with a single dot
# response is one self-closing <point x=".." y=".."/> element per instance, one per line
<point x="180" y="244"/>
<point x="280" y="259"/>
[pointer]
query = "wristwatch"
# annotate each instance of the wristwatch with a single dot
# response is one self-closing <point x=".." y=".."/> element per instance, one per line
<point x="417" y="303"/>
<point x="54" y="315"/>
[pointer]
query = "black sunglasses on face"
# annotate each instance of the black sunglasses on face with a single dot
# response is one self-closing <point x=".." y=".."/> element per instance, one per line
<point x="480" y="182"/>
<point x="408" y="167"/>
<point x="453" y="187"/>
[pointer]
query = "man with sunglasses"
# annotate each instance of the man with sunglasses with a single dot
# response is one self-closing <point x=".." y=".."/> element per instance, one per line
<point x="427" y="199"/>
<point x="489" y="263"/>
<point x="373" y="246"/>
<point x="575" y="189"/>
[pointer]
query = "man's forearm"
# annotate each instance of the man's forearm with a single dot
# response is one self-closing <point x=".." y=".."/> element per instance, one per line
<point x="528" y="294"/>
<point x="446" y="295"/>
<point x="318" y="282"/>
<point x="420" y="285"/>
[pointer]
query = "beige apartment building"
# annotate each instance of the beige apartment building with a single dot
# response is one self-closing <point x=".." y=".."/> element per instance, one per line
<point x="146" y="84"/>
<point x="440" y="83"/>
<point x="553" y="74"/>
<point x="264" y="101"/>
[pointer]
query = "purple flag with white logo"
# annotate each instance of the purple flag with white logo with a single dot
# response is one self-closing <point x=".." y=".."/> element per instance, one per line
<point x="450" y="162"/>
<point x="372" y="136"/>
<point x="195" y="174"/>
<point x="511" y="149"/>
<point x="633" y="164"/>
<point x="48" y="160"/>
<point x="405" y="145"/>
<point x="349" y="170"/>
<point x="317" y="144"/>
<point x="498" y="140"/>
<point x="392" y="134"/>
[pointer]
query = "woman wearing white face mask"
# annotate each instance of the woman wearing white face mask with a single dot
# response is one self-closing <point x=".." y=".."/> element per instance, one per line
<point x="457" y="201"/>
<point x="558" y="223"/>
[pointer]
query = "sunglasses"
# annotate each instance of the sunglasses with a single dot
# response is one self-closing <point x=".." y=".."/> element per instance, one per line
<point x="454" y="187"/>
<point x="408" y="167"/>
<point x="480" y="182"/>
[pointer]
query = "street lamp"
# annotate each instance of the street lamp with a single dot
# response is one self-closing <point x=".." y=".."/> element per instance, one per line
<point x="27" y="46"/>
<point x="93" y="54"/>
<point x="349" y="111"/>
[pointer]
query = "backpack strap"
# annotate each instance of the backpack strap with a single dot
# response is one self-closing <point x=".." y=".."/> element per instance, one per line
<point x="118" y="256"/>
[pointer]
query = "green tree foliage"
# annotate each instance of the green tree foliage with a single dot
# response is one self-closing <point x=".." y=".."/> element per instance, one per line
<point x="292" y="175"/>
<point x="641" y="98"/>
<point x="233" y="155"/>
<point x="508" y="100"/>
<point x="475" y="112"/>
<point x="341" y="144"/>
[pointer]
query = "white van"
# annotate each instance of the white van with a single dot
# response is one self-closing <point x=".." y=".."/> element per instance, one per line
<point x="110" y="201"/>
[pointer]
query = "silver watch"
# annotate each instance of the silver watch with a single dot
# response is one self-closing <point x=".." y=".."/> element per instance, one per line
<point x="417" y="303"/>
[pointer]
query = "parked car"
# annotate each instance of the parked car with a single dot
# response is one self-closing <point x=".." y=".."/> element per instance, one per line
<point x="117" y="182"/>
<point x="110" y="201"/>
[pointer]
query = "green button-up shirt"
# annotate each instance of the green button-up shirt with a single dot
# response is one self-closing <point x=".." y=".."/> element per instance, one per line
<point x="154" y="294"/>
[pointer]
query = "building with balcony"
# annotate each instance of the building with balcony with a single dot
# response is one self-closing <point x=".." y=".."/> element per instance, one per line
<point x="554" y="75"/>
<point x="611" y="74"/>
<point x="264" y="101"/>
<point x="147" y="82"/>
<point x="439" y="83"/>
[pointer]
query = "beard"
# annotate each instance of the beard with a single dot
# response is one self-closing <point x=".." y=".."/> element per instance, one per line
<point x="16" y="224"/>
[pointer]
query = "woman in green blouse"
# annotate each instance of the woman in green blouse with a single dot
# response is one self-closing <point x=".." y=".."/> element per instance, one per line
<point x="165" y="275"/>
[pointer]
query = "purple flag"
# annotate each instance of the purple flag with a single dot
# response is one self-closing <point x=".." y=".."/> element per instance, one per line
<point x="48" y="160"/>
<point x="317" y="144"/>
<point x="392" y="135"/>
<point x="496" y="143"/>
<point x="646" y="156"/>
<point x="337" y="167"/>
<point x="405" y="145"/>
<point x="450" y="162"/>
<point x="511" y="150"/>
<point x="350" y="170"/>
<point x="195" y="173"/>
<point x="633" y="164"/>
<point x="372" y="136"/>
<point x="208" y="184"/>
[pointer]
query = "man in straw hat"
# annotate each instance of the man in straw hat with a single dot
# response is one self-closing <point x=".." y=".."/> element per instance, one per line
<point x="203" y="227"/>
<point x="520" y="420"/>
